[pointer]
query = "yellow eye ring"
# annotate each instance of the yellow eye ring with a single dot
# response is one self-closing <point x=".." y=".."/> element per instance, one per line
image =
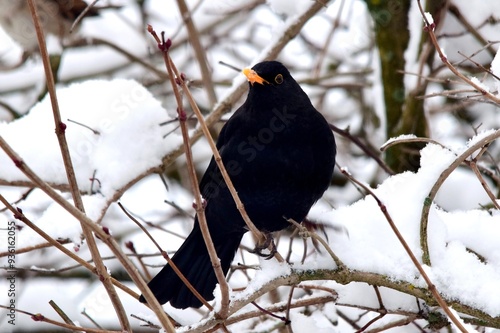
<point x="278" y="79"/>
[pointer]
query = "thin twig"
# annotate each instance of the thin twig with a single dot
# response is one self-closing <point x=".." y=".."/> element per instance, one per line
<point x="175" y="79"/>
<point x="452" y="93"/>
<point x="382" y="311"/>
<point x="405" y="139"/>
<point x="270" y="313"/>
<point x="462" y="19"/>
<point x="85" y="314"/>
<point x="308" y="233"/>
<point x="82" y="15"/>
<point x="149" y="323"/>
<point x="61" y="313"/>
<point x="486" y="70"/>
<point x="167" y="258"/>
<point x="396" y="323"/>
<point x="33" y="247"/>
<point x="289" y="304"/>
<point x="347" y="134"/>
<point x="328" y="40"/>
<point x="60" y="129"/>
<point x="199" y="51"/>
<point x="95" y="41"/>
<point x="283" y="306"/>
<point x="369" y="323"/>
<point x="430" y="29"/>
<point x="475" y="169"/>
<point x="130" y="245"/>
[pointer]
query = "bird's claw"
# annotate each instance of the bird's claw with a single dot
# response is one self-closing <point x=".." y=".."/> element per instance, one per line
<point x="268" y="242"/>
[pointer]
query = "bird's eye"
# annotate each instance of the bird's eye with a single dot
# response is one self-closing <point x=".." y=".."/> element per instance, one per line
<point x="278" y="79"/>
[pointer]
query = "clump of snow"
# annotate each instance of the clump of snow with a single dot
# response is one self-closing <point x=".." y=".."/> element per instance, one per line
<point x="71" y="228"/>
<point x="457" y="240"/>
<point x="401" y="137"/>
<point x="429" y="19"/>
<point x="495" y="69"/>
<point x="316" y="321"/>
<point x="283" y="7"/>
<point x="270" y="270"/>
<point x="288" y="8"/>
<point x="480" y="136"/>
<point x="129" y="139"/>
<point x="470" y="199"/>
<point x="481" y="85"/>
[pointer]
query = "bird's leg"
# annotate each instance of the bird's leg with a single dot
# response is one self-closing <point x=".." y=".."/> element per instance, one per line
<point x="268" y="242"/>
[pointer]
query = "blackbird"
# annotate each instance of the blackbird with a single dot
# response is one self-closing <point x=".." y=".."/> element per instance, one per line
<point x="279" y="152"/>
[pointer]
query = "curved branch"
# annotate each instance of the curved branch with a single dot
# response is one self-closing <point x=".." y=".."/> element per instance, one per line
<point x="424" y="219"/>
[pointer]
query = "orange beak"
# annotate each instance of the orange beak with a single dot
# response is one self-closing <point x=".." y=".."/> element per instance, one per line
<point x="253" y="77"/>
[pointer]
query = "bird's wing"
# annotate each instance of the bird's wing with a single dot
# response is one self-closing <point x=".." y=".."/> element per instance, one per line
<point x="212" y="176"/>
<point x="211" y="179"/>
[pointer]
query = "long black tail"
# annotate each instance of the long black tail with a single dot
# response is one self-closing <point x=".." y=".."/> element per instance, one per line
<point x="193" y="261"/>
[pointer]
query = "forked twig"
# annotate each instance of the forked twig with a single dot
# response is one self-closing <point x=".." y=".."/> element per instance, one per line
<point x="429" y="27"/>
<point x="308" y="233"/>
<point x="424" y="220"/>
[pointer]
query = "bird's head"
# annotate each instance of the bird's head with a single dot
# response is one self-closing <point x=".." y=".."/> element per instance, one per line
<point x="272" y="86"/>
<point x="268" y="73"/>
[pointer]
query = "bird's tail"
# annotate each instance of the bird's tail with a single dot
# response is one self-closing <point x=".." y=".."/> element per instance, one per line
<point x="193" y="261"/>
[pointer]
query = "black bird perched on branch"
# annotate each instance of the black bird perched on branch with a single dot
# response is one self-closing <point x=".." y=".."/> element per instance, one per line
<point x="280" y="154"/>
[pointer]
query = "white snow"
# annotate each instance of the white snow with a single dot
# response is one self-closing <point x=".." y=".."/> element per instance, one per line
<point x="495" y="69"/>
<point x="480" y="84"/>
<point x="317" y="322"/>
<point x="372" y="246"/>
<point x="269" y="270"/>
<point x="429" y="19"/>
<point x="401" y="137"/>
<point x="122" y="112"/>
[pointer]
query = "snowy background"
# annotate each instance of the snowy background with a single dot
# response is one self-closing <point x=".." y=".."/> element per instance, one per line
<point x="118" y="153"/>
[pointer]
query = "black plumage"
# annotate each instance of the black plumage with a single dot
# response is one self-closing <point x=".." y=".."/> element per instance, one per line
<point x="280" y="154"/>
